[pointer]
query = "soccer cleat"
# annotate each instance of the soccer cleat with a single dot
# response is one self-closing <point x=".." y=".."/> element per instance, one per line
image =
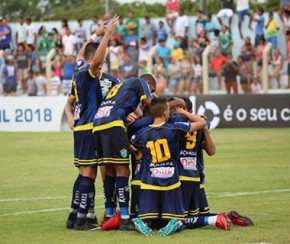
<point x="86" y="226"/>
<point x="170" y="228"/>
<point x="221" y="222"/>
<point x="71" y="220"/>
<point x="238" y="219"/>
<point x="92" y="218"/>
<point x="141" y="227"/>
<point x="112" y="223"/>
<point x="126" y="224"/>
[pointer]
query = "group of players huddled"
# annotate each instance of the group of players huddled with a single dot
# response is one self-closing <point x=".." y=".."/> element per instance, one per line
<point x="117" y="123"/>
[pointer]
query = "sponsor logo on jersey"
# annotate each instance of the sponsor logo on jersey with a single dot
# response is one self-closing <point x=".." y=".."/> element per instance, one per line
<point x="162" y="172"/>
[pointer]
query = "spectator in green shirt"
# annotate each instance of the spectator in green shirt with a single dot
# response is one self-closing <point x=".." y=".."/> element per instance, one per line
<point x="132" y="23"/>
<point x="225" y="40"/>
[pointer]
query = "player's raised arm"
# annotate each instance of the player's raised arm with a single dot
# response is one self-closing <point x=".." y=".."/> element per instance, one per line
<point x="197" y="122"/>
<point x="101" y="51"/>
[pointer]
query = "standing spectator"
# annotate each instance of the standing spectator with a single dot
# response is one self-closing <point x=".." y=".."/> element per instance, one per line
<point x="225" y="40"/>
<point x="10" y="77"/>
<point x="159" y="73"/>
<point x="256" y="86"/>
<point x="230" y="71"/>
<point x="133" y="52"/>
<point x="143" y="55"/>
<point x="131" y="38"/>
<point x="172" y="9"/>
<point x="58" y="40"/>
<point x="177" y="52"/>
<point x="202" y="41"/>
<point x="36" y="65"/>
<point x="41" y="50"/>
<point x="199" y="23"/>
<point x="209" y="26"/>
<point x="277" y="65"/>
<point x="57" y="66"/>
<point x="259" y="30"/>
<point x="248" y="50"/>
<point x="121" y="28"/>
<point x="197" y="76"/>
<point x="174" y="76"/>
<point x="214" y="42"/>
<point x="30" y="33"/>
<point x="40" y="81"/>
<point x="216" y="64"/>
<point x="80" y="34"/>
<point x="132" y="23"/>
<point x="243" y="8"/>
<point x="94" y="25"/>
<point x="50" y="41"/>
<point x="23" y="62"/>
<point x="226" y="11"/>
<point x="288" y="58"/>
<point x="181" y="25"/>
<point x="113" y="55"/>
<point x="148" y="31"/>
<point x="20" y="31"/>
<point x="55" y="85"/>
<point x="68" y="70"/>
<point x="272" y="26"/>
<point x="31" y="84"/>
<point x="245" y="72"/>
<point x="286" y="23"/>
<point x="259" y="55"/>
<point x="5" y="35"/>
<point x="186" y="73"/>
<point x="161" y="31"/>
<point x="163" y="52"/>
<point x="69" y="42"/>
<point x="128" y="69"/>
<point x="64" y="25"/>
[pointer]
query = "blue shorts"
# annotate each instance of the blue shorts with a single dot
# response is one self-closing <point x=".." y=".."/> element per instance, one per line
<point x="161" y="205"/>
<point x="241" y="14"/>
<point x="273" y="41"/>
<point x="173" y="82"/>
<point x="203" y="204"/>
<point x="84" y="149"/>
<point x="190" y="194"/>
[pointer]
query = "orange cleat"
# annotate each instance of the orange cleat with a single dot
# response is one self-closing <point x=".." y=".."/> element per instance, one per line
<point x="221" y="222"/>
<point x="238" y="219"/>
<point x="112" y="223"/>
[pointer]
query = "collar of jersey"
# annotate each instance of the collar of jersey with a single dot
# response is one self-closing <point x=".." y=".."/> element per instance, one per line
<point x="159" y="125"/>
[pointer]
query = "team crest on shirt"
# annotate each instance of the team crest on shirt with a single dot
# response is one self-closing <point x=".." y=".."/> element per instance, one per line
<point x="124" y="153"/>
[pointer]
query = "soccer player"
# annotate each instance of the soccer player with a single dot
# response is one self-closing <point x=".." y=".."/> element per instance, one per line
<point x="87" y="93"/>
<point x="111" y="140"/>
<point x="160" y="194"/>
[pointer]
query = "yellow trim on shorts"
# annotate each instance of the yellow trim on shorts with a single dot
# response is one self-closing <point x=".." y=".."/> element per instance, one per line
<point x="171" y="216"/>
<point x="136" y="182"/>
<point x="84" y="127"/>
<point x="85" y="160"/>
<point x="117" y="123"/>
<point x="149" y="216"/>
<point x="113" y="161"/>
<point x="194" y="212"/>
<point x="143" y="97"/>
<point x="201" y="186"/>
<point x="188" y="178"/>
<point x="145" y="186"/>
<point x="205" y="212"/>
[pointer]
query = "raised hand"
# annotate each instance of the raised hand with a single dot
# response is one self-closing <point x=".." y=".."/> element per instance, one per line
<point x="102" y="29"/>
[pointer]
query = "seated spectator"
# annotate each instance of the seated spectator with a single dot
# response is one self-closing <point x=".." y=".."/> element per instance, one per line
<point x="259" y="30"/>
<point x="172" y="8"/>
<point x="128" y="69"/>
<point x="40" y="81"/>
<point x="161" y="31"/>
<point x="202" y="41"/>
<point x="272" y="26"/>
<point x="159" y="73"/>
<point x="225" y="40"/>
<point x="216" y="64"/>
<point x="67" y="74"/>
<point x="177" y="52"/>
<point x="31" y="84"/>
<point x="174" y="75"/>
<point x="226" y="11"/>
<point x="245" y="72"/>
<point x="133" y="52"/>
<point x="230" y="72"/>
<point x="197" y="76"/>
<point x="209" y="26"/>
<point x="10" y="77"/>
<point x="163" y="52"/>
<point x="199" y="23"/>
<point x="193" y="49"/>
<point x="256" y="86"/>
<point x="277" y="66"/>
<point x="248" y="50"/>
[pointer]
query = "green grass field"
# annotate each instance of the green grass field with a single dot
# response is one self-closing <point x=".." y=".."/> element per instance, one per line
<point x="249" y="173"/>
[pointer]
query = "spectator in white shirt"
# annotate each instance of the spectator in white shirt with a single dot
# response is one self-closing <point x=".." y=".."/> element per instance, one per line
<point x="30" y="33"/>
<point x="69" y="42"/>
<point x="243" y="8"/>
<point x="80" y="34"/>
<point x="181" y="25"/>
<point x="40" y="81"/>
<point x="20" y="31"/>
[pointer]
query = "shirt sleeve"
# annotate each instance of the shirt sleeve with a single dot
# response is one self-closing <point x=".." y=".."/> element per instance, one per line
<point x="143" y="90"/>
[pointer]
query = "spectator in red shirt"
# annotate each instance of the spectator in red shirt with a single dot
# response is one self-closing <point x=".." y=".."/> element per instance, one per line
<point x="172" y="8"/>
<point x="216" y="65"/>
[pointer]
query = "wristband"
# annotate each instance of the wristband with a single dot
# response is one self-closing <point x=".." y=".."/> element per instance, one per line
<point x="94" y="37"/>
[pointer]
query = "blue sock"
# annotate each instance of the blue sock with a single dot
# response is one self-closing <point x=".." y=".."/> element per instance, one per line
<point x="86" y="190"/>
<point x="75" y="194"/>
<point x="123" y="196"/>
<point x="109" y="188"/>
<point x="194" y="222"/>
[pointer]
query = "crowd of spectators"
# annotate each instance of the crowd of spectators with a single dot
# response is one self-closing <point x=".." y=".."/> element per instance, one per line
<point x="178" y="70"/>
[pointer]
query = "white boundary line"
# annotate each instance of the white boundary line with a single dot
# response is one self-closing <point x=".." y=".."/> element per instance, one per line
<point x="31" y="199"/>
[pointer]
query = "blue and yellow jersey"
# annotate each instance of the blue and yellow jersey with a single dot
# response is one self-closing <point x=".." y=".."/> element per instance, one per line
<point x="174" y="118"/>
<point x="160" y="148"/>
<point x="107" y="82"/>
<point x="119" y="102"/>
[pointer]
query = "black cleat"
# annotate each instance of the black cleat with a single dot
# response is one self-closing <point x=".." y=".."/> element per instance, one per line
<point x="126" y="224"/>
<point x="71" y="220"/>
<point x="86" y="226"/>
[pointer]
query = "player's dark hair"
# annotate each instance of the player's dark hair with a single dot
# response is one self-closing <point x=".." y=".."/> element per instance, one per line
<point x="158" y="106"/>
<point x="149" y="78"/>
<point x="90" y="48"/>
<point x="188" y="103"/>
